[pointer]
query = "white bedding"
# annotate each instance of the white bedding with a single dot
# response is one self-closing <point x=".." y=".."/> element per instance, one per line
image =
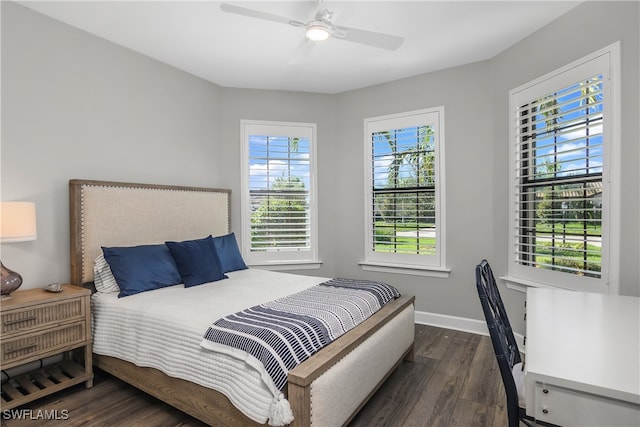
<point x="163" y="329"/>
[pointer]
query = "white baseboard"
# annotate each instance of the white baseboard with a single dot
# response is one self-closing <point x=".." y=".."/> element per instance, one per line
<point x="460" y="324"/>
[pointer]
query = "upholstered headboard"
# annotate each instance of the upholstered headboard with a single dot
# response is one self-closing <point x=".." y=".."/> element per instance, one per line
<point x="125" y="214"/>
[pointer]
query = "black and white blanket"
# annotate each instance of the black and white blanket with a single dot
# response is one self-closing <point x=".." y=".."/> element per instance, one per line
<point x="285" y="332"/>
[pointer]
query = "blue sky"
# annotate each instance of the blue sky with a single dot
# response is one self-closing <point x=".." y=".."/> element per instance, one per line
<point x="271" y="157"/>
<point x="572" y="142"/>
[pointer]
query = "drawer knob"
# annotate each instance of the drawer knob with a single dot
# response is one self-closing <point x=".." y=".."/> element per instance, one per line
<point x="545" y="411"/>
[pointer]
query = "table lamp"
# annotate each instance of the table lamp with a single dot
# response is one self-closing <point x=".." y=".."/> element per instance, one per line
<point x="17" y="224"/>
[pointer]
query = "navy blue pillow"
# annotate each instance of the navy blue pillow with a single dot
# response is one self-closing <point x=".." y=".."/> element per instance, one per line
<point x="229" y="253"/>
<point x="197" y="261"/>
<point x="141" y="268"/>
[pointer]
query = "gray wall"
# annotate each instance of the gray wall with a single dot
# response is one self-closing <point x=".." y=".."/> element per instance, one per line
<point x="76" y="106"/>
<point x="468" y="158"/>
<point x="560" y="43"/>
<point x="286" y="106"/>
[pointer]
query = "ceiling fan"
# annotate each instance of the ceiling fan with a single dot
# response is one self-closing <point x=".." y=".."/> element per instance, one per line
<point x="321" y="28"/>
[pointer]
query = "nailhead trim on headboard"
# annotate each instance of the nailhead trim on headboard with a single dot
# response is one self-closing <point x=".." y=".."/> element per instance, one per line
<point x="122" y="214"/>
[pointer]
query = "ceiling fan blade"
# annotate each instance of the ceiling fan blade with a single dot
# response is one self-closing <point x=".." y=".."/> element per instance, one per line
<point x="371" y="38"/>
<point x="226" y="7"/>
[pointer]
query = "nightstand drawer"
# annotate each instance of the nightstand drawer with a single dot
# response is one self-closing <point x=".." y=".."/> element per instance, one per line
<point x="44" y="343"/>
<point x="40" y="316"/>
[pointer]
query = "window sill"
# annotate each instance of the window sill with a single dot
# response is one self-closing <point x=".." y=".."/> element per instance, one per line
<point x="522" y="285"/>
<point x="406" y="269"/>
<point x="288" y="265"/>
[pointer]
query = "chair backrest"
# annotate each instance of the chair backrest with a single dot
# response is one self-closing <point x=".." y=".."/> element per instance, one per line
<point x="504" y="343"/>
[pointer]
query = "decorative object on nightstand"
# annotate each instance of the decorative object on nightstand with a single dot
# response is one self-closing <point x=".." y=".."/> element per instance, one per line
<point x="54" y="287"/>
<point x="36" y="325"/>
<point x="17" y="224"/>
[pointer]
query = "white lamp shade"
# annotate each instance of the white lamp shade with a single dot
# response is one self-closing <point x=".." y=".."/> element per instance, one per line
<point x="17" y="222"/>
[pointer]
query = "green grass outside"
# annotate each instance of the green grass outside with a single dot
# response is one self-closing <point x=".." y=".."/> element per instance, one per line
<point x="571" y="255"/>
<point x="388" y="241"/>
<point x="569" y="228"/>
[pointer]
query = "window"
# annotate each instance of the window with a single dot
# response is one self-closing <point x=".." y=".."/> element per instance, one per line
<point x="564" y="189"/>
<point x="405" y="192"/>
<point x="278" y="205"/>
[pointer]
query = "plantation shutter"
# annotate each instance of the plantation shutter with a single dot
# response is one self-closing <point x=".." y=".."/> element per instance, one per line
<point x="404" y="187"/>
<point x="559" y="188"/>
<point x="279" y="193"/>
<point x="279" y="212"/>
<point x="402" y="165"/>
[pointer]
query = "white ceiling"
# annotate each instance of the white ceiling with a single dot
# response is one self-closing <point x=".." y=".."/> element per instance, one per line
<point x="238" y="51"/>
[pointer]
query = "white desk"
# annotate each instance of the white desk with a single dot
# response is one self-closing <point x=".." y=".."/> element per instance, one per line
<point x="583" y="358"/>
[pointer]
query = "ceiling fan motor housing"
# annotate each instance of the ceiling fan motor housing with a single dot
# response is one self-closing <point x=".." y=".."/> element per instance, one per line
<point x="318" y="30"/>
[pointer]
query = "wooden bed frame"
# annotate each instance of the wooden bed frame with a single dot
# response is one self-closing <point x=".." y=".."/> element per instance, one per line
<point x="205" y="404"/>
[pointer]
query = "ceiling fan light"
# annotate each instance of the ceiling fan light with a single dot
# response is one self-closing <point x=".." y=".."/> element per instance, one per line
<point x="318" y="31"/>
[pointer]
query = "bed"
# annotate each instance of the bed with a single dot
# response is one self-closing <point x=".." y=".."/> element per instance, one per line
<point x="327" y="389"/>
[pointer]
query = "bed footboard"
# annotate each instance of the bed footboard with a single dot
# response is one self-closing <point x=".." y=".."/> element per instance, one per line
<point x="331" y="387"/>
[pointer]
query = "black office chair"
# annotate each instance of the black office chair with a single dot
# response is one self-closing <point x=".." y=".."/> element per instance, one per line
<point x="504" y="343"/>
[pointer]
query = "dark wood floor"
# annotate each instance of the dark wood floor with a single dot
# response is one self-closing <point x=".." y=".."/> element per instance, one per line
<point x="454" y="381"/>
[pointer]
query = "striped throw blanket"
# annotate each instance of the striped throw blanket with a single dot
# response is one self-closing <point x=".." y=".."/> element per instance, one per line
<point x="285" y="332"/>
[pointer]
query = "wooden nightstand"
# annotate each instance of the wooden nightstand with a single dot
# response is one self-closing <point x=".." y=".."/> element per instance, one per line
<point x="36" y="324"/>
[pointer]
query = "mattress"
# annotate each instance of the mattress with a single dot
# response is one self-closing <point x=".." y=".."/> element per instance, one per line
<point x="163" y="329"/>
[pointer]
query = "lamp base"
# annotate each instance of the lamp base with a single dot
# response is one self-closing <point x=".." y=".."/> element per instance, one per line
<point x="9" y="281"/>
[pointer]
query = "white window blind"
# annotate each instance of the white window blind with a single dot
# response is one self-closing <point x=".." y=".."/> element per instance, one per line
<point x="279" y="210"/>
<point x="404" y="190"/>
<point x="562" y="199"/>
<point x="403" y="185"/>
<point x="560" y="180"/>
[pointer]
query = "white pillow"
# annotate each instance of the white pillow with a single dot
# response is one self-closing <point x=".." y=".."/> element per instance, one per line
<point x="518" y="377"/>
<point x="102" y="276"/>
